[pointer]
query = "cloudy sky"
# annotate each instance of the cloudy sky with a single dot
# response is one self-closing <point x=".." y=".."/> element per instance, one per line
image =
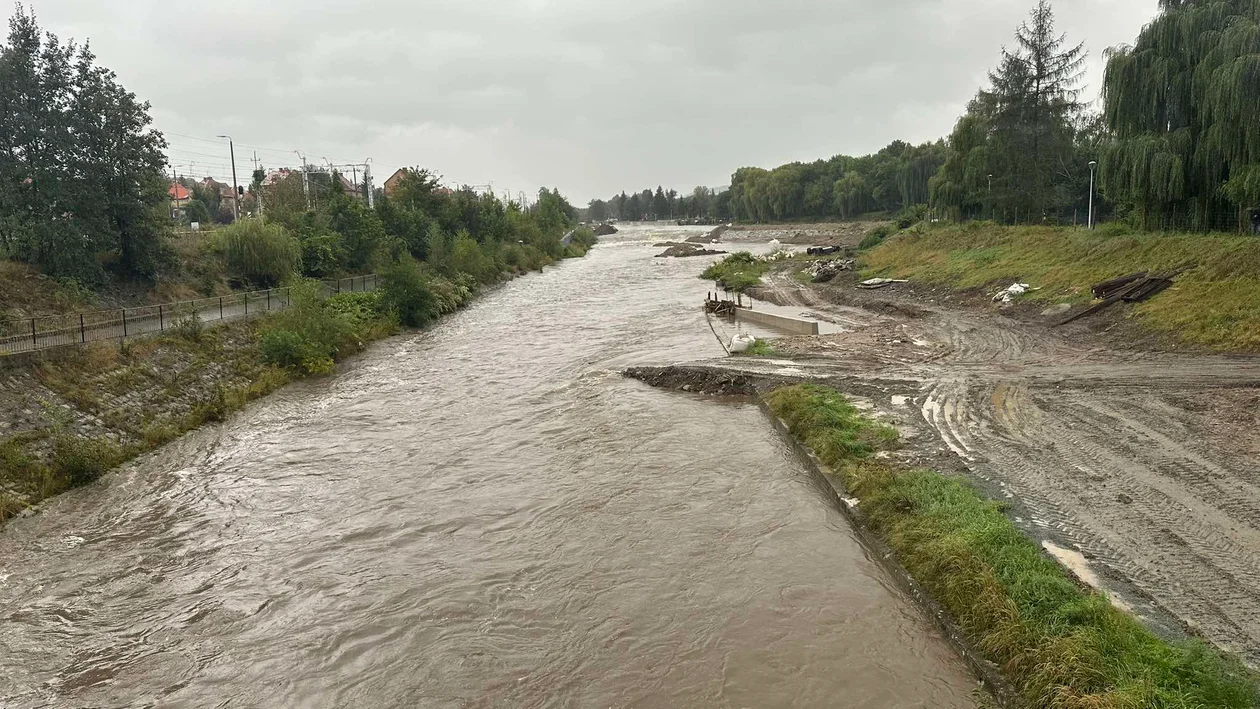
<point x="591" y="96"/>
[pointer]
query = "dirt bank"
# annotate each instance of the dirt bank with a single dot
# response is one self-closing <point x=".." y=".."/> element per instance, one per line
<point x="676" y="250"/>
<point x="823" y="234"/>
<point x="1213" y="303"/>
<point x="713" y="237"/>
<point x="1140" y="461"/>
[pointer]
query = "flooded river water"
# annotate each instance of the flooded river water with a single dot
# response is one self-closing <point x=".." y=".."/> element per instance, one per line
<point x="486" y="514"/>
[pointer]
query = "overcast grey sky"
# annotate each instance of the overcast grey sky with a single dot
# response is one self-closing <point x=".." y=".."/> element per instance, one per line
<point x="591" y="96"/>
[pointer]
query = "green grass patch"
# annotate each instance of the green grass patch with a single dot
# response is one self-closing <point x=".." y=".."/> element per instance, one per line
<point x="737" y="272"/>
<point x="1215" y="303"/>
<point x="1059" y="645"/>
<point x="760" y="348"/>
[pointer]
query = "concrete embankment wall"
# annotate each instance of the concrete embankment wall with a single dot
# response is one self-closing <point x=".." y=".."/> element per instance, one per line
<point x="795" y="326"/>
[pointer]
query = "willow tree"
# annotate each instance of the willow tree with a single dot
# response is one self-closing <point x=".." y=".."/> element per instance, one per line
<point x="960" y="189"/>
<point x="852" y="195"/>
<point x="1183" y="107"/>
<point x="918" y="165"/>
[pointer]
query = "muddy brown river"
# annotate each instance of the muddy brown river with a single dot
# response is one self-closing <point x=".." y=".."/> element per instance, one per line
<point x="483" y="515"/>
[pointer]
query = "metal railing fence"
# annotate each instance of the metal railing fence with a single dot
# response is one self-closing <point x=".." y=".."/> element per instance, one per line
<point x="41" y="333"/>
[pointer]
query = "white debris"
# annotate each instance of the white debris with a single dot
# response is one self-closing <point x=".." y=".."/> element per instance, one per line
<point x="1011" y="293"/>
<point x="880" y="282"/>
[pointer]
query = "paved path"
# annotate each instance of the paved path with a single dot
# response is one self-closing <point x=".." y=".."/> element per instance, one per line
<point x="59" y="331"/>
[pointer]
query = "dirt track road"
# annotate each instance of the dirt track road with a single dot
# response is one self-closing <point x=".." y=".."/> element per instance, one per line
<point x="1145" y="463"/>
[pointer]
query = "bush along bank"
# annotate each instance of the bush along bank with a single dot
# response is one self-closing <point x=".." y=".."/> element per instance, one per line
<point x="1058" y="644"/>
<point x="1214" y="302"/>
<point x="741" y="270"/>
<point x="69" y="416"/>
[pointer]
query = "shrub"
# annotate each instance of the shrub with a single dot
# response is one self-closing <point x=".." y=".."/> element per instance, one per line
<point x="467" y="256"/>
<point x="873" y="239"/>
<point x="450" y="295"/>
<point x="910" y="216"/>
<point x="323" y="252"/>
<point x="361" y="309"/>
<point x="264" y="254"/>
<point x="289" y="350"/>
<point x="214" y="409"/>
<point x="308" y="335"/>
<point x="18" y="470"/>
<point x="189" y="328"/>
<point x="582" y="241"/>
<point x="404" y="291"/>
<point x="83" y="460"/>
<point x="737" y="272"/>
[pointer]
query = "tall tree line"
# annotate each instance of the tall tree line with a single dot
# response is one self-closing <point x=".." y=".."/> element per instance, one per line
<point x="1175" y="146"/>
<point x="701" y="203"/>
<point x="893" y="179"/>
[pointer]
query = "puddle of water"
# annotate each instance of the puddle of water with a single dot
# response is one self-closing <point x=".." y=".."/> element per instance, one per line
<point x="1076" y="562"/>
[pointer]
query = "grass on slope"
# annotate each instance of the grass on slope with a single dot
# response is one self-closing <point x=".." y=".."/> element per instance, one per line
<point x="738" y="271"/>
<point x="1059" y="645"/>
<point x="1215" y="303"/>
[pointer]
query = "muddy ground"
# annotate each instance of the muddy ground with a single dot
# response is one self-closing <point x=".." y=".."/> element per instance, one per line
<point x="1143" y="461"/>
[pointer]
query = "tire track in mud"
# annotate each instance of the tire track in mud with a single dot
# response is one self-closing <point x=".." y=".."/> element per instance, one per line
<point x="1084" y="444"/>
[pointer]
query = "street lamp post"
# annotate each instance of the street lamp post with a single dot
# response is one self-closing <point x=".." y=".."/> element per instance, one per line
<point x="991" y="211"/>
<point x="1092" y="164"/>
<point x="236" y="189"/>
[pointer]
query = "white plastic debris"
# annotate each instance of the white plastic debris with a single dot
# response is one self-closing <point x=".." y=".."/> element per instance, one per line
<point x="1011" y="293"/>
<point x="880" y="282"/>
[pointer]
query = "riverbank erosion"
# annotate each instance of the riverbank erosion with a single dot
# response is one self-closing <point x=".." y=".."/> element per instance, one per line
<point x="1036" y="631"/>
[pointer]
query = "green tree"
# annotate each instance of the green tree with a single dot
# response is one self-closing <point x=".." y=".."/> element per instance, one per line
<point x="852" y="195"/>
<point x="634" y="208"/>
<point x="361" y="230"/>
<point x="1022" y="130"/>
<point x="660" y="203"/>
<point x="961" y="188"/>
<point x="1183" y="108"/>
<point x="257" y="253"/>
<point x="404" y="290"/>
<point x="1037" y="109"/>
<point x="553" y="213"/>
<point x="195" y="210"/>
<point x="597" y="210"/>
<point x="80" y="169"/>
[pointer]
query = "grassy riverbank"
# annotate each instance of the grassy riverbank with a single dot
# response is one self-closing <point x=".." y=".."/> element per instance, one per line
<point x="69" y="415"/>
<point x="1215" y="302"/>
<point x="1059" y="645"/>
